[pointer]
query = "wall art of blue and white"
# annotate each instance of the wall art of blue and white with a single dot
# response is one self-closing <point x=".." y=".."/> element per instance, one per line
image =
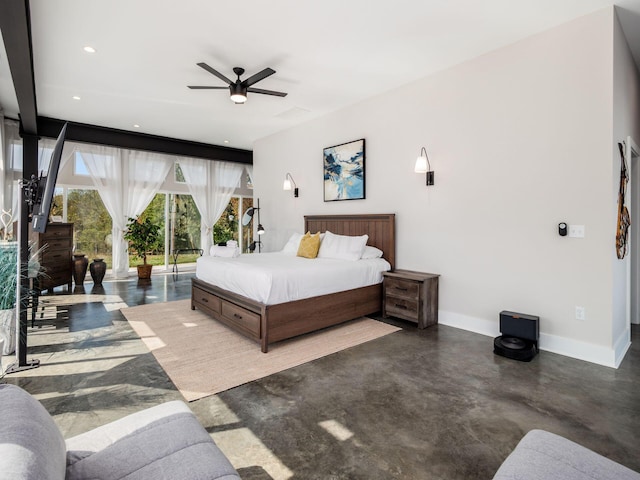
<point x="344" y="171"/>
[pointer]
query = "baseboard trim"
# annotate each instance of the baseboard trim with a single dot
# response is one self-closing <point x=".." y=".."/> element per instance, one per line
<point x="608" y="357"/>
<point x="621" y="347"/>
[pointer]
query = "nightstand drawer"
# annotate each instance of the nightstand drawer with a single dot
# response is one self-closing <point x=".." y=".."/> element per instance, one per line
<point x="403" y="308"/>
<point x="398" y="287"/>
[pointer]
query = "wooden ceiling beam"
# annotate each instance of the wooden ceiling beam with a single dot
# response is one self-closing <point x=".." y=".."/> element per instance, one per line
<point x="82" y="132"/>
<point x="15" y="25"/>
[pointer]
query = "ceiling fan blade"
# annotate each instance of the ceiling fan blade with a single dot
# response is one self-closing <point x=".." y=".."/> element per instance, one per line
<point x="215" y="72"/>
<point x="258" y="76"/>
<point x="202" y="87"/>
<point x="266" y="92"/>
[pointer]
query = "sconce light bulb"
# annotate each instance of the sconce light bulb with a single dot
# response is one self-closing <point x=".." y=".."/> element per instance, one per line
<point x="421" y="164"/>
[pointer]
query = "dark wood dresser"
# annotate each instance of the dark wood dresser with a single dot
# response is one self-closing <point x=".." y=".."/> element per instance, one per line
<point x="411" y="296"/>
<point x="56" y="257"/>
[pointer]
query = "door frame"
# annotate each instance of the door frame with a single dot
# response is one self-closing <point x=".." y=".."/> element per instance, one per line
<point x="632" y="153"/>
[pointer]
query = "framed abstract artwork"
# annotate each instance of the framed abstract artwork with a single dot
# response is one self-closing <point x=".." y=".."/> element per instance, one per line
<point x="344" y="171"/>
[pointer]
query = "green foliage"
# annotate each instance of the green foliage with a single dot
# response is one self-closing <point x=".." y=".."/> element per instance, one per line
<point x="93" y="224"/>
<point x="142" y="235"/>
<point x="184" y="222"/>
<point x="91" y="221"/>
<point x="227" y="226"/>
<point x="8" y="274"/>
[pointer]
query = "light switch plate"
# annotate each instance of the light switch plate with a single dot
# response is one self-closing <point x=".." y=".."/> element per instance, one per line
<point x="576" y="231"/>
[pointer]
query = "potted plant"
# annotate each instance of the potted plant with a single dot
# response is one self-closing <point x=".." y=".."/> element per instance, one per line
<point x="8" y="296"/>
<point x="8" y="289"/>
<point x="142" y="236"/>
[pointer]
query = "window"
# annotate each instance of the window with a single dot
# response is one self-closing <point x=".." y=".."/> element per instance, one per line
<point x="79" y="168"/>
<point x="184" y="222"/>
<point x="247" y="230"/>
<point x="178" y="176"/>
<point x="227" y="226"/>
<point x="91" y="223"/>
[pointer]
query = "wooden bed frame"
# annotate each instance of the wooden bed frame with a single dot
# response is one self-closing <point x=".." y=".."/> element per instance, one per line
<point x="271" y="323"/>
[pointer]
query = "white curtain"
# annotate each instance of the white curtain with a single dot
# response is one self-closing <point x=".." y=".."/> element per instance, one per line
<point x="10" y="169"/>
<point x="211" y="184"/>
<point x="127" y="181"/>
<point x="4" y="167"/>
<point x="6" y="187"/>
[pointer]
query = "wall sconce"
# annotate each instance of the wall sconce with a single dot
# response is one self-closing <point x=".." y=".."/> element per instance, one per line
<point x="424" y="166"/>
<point x="288" y="180"/>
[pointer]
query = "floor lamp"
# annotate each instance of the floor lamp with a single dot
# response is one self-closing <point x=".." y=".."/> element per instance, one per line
<point x="246" y="220"/>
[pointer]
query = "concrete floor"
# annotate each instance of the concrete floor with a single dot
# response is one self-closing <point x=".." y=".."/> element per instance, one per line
<point x="430" y="404"/>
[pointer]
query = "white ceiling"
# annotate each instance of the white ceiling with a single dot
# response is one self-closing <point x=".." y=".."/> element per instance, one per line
<point x="327" y="54"/>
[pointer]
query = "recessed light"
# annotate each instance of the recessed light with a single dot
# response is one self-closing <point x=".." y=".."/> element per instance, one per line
<point x="76" y="97"/>
<point x="89" y="49"/>
<point x="226" y="141"/>
<point x="135" y="125"/>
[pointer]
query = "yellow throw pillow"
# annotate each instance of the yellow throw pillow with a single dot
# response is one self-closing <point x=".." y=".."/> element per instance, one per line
<point x="309" y="245"/>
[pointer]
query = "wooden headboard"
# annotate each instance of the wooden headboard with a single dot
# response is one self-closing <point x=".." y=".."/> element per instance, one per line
<point x="381" y="229"/>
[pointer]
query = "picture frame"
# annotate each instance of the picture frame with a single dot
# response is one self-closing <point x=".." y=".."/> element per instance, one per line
<point x="344" y="171"/>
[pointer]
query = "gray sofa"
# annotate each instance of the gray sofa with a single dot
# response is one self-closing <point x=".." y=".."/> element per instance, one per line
<point x="542" y="455"/>
<point x="162" y="442"/>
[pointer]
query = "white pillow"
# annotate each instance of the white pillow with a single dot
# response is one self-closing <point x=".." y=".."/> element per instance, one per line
<point x="291" y="247"/>
<point x="371" y="252"/>
<point x="342" y="247"/>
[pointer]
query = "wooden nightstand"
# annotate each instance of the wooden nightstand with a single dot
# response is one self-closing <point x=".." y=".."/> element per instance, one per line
<point x="411" y="296"/>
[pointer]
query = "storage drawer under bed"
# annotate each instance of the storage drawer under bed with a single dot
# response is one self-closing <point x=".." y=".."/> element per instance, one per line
<point x="206" y="301"/>
<point x="244" y="319"/>
<point x="226" y="312"/>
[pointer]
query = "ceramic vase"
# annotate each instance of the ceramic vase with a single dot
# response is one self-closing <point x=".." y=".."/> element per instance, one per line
<point x="98" y="268"/>
<point x="80" y="264"/>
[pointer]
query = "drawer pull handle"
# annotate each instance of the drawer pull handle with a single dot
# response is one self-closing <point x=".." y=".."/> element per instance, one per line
<point x="204" y="300"/>
<point x="404" y="307"/>
<point x="235" y="315"/>
<point x="402" y="289"/>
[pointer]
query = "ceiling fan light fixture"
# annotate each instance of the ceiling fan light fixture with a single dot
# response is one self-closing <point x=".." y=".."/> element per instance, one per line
<point x="238" y="98"/>
<point x="238" y="93"/>
<point x="238" y="90"/>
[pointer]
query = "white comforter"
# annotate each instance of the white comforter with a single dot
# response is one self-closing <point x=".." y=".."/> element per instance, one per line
<point x="272" y="278"/>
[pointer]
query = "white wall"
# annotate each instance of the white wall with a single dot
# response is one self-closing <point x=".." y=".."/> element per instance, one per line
<point x="520" y="140"/>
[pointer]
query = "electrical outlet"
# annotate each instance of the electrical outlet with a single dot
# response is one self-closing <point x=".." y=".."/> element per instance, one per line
<point x="580" y="313"/>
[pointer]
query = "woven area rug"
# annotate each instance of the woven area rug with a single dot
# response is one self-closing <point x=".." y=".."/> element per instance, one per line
<point x="203" y="357"/>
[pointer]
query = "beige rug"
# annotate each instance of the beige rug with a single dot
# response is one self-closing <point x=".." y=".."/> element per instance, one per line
<point x="203" y="357"/>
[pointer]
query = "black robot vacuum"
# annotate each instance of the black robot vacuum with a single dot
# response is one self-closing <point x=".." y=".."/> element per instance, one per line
<point x="519" y="339"/>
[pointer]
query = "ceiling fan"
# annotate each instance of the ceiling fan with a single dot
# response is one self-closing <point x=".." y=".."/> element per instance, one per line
<point x="239" y="88"/>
